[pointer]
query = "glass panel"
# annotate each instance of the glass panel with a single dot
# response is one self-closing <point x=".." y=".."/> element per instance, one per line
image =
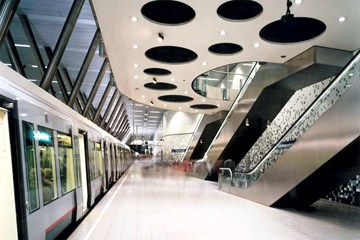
<point x="77" y="161"/>
<point x="96" y="167"/>
<point x="66" y="163"/>
<point x="31" y="169"/>
<point x="47" y="163"/>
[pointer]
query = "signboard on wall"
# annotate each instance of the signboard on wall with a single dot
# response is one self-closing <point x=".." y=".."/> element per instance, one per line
<point x="180" y="150"/>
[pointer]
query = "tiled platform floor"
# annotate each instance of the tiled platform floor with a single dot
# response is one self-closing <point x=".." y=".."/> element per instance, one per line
<point x="155" y="202"/>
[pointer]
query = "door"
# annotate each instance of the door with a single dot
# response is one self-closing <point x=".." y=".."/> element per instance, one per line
<point x="8" y="228"/>
<point x="83" y="171"/>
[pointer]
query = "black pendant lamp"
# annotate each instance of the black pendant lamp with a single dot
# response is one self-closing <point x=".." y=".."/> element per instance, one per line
<point x="290" y="29"/>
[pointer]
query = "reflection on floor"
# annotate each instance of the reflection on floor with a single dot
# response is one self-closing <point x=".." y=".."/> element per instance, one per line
<point x="157" y="202"/>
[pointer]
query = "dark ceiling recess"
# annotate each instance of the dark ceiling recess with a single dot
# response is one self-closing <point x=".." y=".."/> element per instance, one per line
<point x="239" y="10"/>
<point x="168" y="12"/>
<point x="171" y="54"/>
<point x="175" y="98"/>
<point x="225" y="48"/>
<point x="157" y="71"/>
<point x="203" y="106"/>
<point x="160" y="86"/>
<point x="290" y="29"/>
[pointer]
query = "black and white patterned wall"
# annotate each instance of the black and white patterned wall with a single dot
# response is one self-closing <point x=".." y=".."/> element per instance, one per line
<point x="270" y="136"/>
<point x="348" y="193"/>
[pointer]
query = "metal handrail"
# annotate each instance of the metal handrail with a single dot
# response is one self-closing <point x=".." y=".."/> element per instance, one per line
<point x="226" y="169"/>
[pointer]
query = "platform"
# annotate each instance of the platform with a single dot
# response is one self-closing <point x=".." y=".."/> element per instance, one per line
<point x="152" y="201"/>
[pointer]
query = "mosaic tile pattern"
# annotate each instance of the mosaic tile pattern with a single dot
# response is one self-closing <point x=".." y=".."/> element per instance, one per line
<point x="347" y="193"/>
<point x="177" y="142"/>
<point x="293" y="109"/>
<point x="331" y="95"/>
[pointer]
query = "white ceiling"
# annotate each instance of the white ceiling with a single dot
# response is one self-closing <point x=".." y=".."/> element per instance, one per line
<point x="120" y="34"/>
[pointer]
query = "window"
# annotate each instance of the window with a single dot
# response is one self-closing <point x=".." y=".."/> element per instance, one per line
<point x="47" y="162"/>
<point x="31" y="168"/>
<point x="96" y="161"/>
<point x="66" y="163"/>
<point x="77" y="161"/>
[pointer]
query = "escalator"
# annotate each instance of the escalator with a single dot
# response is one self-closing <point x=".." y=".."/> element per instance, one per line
<point x="324" y="156"/>
<point x="270" y="90"/>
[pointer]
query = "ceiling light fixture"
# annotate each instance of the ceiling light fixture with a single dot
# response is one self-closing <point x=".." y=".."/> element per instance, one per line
<point x="247" y="122"/>
<point x="136" y="65"/>
<point x="173" y="79"/>
<point x="160" y="37"/>
<point x="151" y="103"/>
<point x="298" y="1"/>
<point x="135" y="46"/>
<point x="290" y="29"/>
<point x="204" y="63"/>
<point x="256" y="45"/>
<point x="154" y="81"/>
<point x="342" y="19"/>
<point x="133" y="19"/>
<point x="222" y="32"/>
<point x="135" y="76"/>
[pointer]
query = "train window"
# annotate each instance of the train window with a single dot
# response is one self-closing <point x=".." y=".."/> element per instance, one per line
<point x="31" y="168"/>
<point x="47" y="162"/>
<point x="96" y="161"/>
<point x="77" y="161"/>
<point x="66" y="163"/>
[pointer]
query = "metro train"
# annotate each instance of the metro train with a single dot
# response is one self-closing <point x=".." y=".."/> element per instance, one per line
<point x="55" y="164"/>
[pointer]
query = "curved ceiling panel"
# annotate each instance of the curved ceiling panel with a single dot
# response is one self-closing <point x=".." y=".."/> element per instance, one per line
<point x="292" y="29"/>
<point x="203" y="106"/>
<point x="157" y="71"/>
<point x="175" y="98"/>
<point x="160" y="86"/>
<point x="168" y="12"/>
<point x="225" y="48"/>
<point x="239" y="10"/>
<point x="171" y="54"/>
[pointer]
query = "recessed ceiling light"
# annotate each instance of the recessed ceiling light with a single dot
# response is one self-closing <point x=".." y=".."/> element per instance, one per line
<point x="160" y="37"/>
<point x="23" y="114"/>
<point x="298" y="1"/>
<point x="342" y="19"/>
<point x="203" y="63"/>
<point x="173" y="79"/>
<point x="22" y="45"/>
<point x="185" y="92"/>
<point x="351" y="74"/>
<point x="136" y="65"/>
<point x="179" y="108"/>
<point x="135" y="76"/>
<point x="196" y="110"/>
<point x="218" y="105"/>
<point x="133" y="19"/>
<point x="135" y="46"/>
<point x="256" y="45"/>
<point x="222" y="32"/>
<point x="143" y="96"/>
<point x="203" y="100"/>
<point x="165" y="105"/>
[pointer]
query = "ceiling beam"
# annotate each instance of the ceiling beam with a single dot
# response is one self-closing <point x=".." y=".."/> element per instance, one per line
<point x="107" y="111"/>
<point x="113" y="113"/>
<point x="65" y="76"/>
<point x="122" y="125"/>
<point x="7" y="12"/>
<point x="115" y="122"/>
<point x="96" y="86"/>
<point x="84" y="68"/>
<point x="13" y="54"/>
<point x="61" y="44"/>
<point x="119" y="122"/>
<point x="103" y="100"/>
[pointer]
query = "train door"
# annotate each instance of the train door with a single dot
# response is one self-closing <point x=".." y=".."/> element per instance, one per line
<point x="8" y="227"/>
<point x="83" y="168"/>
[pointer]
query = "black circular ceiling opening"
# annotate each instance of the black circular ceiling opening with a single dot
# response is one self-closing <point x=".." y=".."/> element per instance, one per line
<point x="239" y="10"/>
<point x="168" y="12"/>
<point x="160" y="86"/>
<point x="225" y="48"/>
<point x="203" y="106"/>
<point x="292" y="30"/>
<point x="157" y="71"/>
<point x="175" y="98"/>
<point x="171" y="54"/>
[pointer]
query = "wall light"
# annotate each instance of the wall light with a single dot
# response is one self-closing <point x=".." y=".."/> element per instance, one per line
<point x="247" y="122"/>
